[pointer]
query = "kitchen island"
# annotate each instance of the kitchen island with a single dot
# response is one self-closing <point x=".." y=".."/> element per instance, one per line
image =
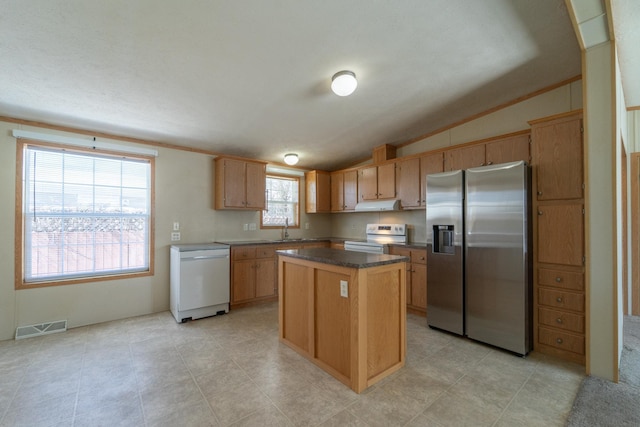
<point x="344" y="311"/>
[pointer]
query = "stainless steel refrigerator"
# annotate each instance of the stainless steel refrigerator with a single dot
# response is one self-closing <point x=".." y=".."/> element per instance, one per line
<point x="478" y="254"/>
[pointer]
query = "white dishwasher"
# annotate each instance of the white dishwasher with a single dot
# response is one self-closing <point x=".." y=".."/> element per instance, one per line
<point x="199" y="276"/>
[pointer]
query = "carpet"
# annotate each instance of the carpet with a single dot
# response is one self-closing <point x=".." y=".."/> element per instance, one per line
<point x="603" y="403"/>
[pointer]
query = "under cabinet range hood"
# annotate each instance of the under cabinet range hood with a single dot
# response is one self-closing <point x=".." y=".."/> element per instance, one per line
<point x="378" y="205"/>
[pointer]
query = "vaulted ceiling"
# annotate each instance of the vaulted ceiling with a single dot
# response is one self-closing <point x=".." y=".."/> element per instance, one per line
<point x="252" y="77"/>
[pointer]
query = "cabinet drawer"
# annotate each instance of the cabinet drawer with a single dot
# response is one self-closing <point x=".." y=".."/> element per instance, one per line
<point x="561" y="340"/>
<point x="559" y="299"/>
<point x="419" y="256"/>
<point x="244" y="252"/>
<point x="561" y="319"/>
<point x="265" y="252"/>
<point x="394" y="250"/>
<point x="561" y="279"/>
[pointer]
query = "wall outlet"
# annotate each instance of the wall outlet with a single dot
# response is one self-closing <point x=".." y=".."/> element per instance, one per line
<point x="252" y="226"/>
<point x="176" y="226"/>
<point x="245" y="227"/>
<point x="306" y="225"/>
<point x="175" y="237"/>
<point x="344" y="288"/>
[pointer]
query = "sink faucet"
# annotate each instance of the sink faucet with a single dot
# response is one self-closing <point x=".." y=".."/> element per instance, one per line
<point x="286" y="228"/>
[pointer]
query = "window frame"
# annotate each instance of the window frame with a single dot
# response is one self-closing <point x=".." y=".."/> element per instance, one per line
<point x="297" y="213"/>
<point x="19" y="267"/>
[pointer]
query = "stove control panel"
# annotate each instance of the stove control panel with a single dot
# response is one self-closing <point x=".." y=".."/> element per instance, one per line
<point x="387" y="229"/>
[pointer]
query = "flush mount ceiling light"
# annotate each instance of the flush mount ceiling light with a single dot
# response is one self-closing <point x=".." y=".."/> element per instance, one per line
<point x="291" y="158"/>
<point x="343" y="83"/>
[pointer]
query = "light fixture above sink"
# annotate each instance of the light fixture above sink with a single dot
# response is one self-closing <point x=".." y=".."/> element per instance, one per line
<point x="291" y="159"/>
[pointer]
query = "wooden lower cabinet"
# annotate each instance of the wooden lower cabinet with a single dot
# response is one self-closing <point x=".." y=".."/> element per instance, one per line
<point x="253" y="274"/>
<point x="416" y="278"/>
<point x="254" y="271"/>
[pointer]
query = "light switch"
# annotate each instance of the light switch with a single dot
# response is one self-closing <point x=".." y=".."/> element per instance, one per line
<point x="252" y="226"/>
<point x="344" y="288"/>
<point x="176" y="226"/>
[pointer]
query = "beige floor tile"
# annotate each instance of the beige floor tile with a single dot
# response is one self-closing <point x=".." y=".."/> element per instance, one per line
<point x="309" y="408"/>
<point x="196" y="415"/>
<point x="232" y="404"/>
<point x="125" y="412"/>
<point x="158" y="402"/>
<point x="232" y="369"/>
<point x="414" y="386"/>
<point x="268" y="416"/>
<point x="344" y="419"/>
<point x="451" y="410"/>
<point x="227" y="374"/>
<point x="379" y="408"/>
<point x="42" y="413"/>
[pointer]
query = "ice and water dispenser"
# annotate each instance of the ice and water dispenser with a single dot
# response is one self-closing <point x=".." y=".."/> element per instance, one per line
<point x="443" y="241"/>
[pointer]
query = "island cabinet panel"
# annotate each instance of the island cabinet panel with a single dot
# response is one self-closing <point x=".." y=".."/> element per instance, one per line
<point x="384" y="322"/>
<point x="297" y="301"/>
<point x="332" y="320"/>
<point x="359" y="336"/>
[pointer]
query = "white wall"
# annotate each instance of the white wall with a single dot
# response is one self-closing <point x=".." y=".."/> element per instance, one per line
<point x="601" y="211"/>
<point x="184" y="193"/>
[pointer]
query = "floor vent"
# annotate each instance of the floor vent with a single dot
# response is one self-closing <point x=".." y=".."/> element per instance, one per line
<point x="41" y="329"/>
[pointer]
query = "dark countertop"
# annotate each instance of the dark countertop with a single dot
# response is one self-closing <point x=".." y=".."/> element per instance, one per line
<point x="278" y="242"/>
<point x="343" y="258"/>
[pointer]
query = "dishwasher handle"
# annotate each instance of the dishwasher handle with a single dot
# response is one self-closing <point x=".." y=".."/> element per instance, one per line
<point x="200" y="257"/>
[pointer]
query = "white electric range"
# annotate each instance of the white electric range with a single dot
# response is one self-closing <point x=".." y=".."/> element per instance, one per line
<point x="379" y="237"/>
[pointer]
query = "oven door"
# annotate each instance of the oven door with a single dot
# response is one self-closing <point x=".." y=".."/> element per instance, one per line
<point x="372" y="248"/>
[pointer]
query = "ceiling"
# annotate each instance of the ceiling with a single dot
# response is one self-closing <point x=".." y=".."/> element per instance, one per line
<point x="252" y="78"/>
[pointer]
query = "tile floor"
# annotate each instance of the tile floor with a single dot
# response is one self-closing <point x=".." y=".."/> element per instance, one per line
<point x="231" y="371"/>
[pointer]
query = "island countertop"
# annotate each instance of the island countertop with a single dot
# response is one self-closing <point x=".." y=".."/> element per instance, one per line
<point x="343" y="258"/>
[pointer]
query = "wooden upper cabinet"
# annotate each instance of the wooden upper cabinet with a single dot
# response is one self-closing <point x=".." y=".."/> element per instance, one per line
<point x="368" y="183"/>
<point x="561" y="234"/>
<point x="239" y="184"/>
<point x="318" y="191"/>
<point x="344" y="190"/>
<point x="465" y="157"/>
<point x="387" y="181"/>
<point x="408" y="180"/>
<point x="350" y="190"/>
<point x="509" y="149"/>
<point x="433" y="163"/>
<point x="557" y="156"/>
<point x="377" y="182"/>
<point x="256" y="185"/>
<point x="337" y="191"/>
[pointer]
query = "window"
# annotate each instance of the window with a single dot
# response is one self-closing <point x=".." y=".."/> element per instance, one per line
<point x="85" y="215"/>
<point x="282" y="202"/>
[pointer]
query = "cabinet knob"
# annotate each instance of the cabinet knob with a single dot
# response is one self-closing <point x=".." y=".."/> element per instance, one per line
<point x="559" y="320"/>
<point x="559" y="340"/>
<point x="489" y="163"/>
<point x="558" y="279"/>
<point x="539" y="193"/>
<point x="539" y="212"/>
<point x="482" y="164"/>
<point x="559" y="299"/>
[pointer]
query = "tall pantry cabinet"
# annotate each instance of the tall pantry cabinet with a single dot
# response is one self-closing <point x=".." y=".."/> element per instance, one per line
<point x="558" y="220"/>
